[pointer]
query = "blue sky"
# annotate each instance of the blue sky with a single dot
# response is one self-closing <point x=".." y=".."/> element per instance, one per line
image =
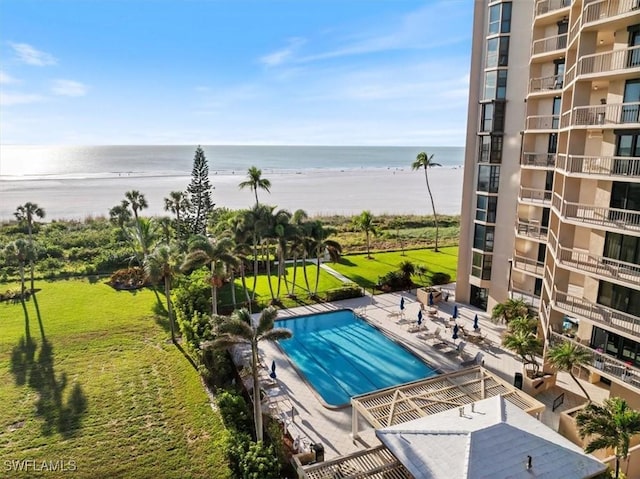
<point x="314" y="72"/>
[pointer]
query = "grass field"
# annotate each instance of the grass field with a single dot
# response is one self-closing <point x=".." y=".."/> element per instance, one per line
<point x="366" y="272"/>
<point x="87" y="375"/>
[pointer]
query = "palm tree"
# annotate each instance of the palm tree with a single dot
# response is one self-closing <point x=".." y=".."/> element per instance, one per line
<point x="254" y="181"/>
<point x="19" y="253"/>
<point x="142" y="237"/>
<point x="164" y="264"/>
<point x="321" y="244"/>
<point x="120" y="214"/>
<point x="177" y="203"/>
<point x="425" y="162"/>
<point x="137" y="201"/>
<point x="565" y="356"/>
<point x="216" y="253"/>
<point x="509" y="310"/>
<point x="521" y="338"/>
<point x="240" y="329"/>
<point x="25" y="214"/>
<point x="365" y="222"/>
<point x="613" y="425"/>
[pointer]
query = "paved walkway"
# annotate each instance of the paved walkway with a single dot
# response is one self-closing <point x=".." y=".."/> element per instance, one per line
<point x="313" y="423"/>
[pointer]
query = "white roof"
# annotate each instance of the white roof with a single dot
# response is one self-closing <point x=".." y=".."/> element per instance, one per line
<point x="492" y="441"/>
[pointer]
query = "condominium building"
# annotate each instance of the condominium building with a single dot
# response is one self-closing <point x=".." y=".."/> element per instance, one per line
<point x="552" y="173"/>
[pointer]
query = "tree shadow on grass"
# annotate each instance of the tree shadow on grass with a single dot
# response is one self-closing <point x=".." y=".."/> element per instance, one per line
<point x="35" y="367"/>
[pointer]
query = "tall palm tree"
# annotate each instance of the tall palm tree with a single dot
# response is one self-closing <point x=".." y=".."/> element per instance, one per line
<point x="25" y="214"/>
<point x="241" y="329"/>
<point x="19" y="253"/>
<point x="164" y="264"/>
<point x="565" y="356"/>
<point x="215" y="253"/>
<point x="120" y="214"/>
<point x="142" y="237"/>
<point x="611" y="425"/>
<point x="137" y="201"/>
<point x="365" y="222"/>
<point x="177" y="203"/>
<point x="321" y="243"/>
<point x="510" y="309"/>
<point x="425" y="162"/>
<point x="255" y="181"/>
<point x="521" y="338"/>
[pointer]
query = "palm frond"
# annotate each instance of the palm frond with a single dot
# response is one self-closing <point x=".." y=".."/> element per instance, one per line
<point x="276" y="334"/>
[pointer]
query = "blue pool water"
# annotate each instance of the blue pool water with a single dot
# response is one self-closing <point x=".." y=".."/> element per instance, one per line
<point x="342" y="356"/>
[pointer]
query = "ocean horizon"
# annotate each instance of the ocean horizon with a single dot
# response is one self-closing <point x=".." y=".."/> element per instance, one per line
<point x="75" y="182"/>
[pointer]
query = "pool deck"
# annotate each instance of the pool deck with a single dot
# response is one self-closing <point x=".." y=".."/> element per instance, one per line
<point x="313" y="423"/>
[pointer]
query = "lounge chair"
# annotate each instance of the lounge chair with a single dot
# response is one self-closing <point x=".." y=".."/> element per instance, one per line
<point x="475" y="361"/>
<point x="415" y="327"/>
<point x="427" y="335"/>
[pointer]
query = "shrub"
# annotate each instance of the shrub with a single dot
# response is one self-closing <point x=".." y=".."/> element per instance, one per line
<point x="394" y="281"/>
<point x="260" y="462"/>
<point x="235" y="412"/>
<point x="128" y="278"/>
<point x="236" y="447"/>
<point x="347" y="291"/>
<point x="440" y="278"/>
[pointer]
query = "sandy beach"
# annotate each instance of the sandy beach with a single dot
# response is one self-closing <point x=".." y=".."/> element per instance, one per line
<point x="393" y="191"/>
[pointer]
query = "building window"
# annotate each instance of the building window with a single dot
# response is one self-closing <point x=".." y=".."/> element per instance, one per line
<point x="488" y="178"/>
<point x="615" y="345"/>
<point x="495" y="85"/>
<point x="493" y="117"/>
<point x="625" y="196"/>
<point x="483" y="237"/>
<point x="555" y="111"/>
<point x="478" y="297"/>
<point x="627" y="145"/>
<point x="631" y="98"/>
<point x="486" y="208"/>
<point x="622" y="248"/>
<point x="481" y="265"/>
<point x="490" y="149"/>
<point x="497" y="52"/>
<point x="619" y="298"/>
<point x="500" y="18"/>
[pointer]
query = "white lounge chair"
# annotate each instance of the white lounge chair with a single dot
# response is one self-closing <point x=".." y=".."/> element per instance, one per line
<point x="475" y="361"/>
<point x="427" y="335"/>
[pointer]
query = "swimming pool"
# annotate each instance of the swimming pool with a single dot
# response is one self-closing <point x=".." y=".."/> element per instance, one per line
<point x="342" y="356"/>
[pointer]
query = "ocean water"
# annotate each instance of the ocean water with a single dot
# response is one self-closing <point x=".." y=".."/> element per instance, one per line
<point x="30" y="162"/>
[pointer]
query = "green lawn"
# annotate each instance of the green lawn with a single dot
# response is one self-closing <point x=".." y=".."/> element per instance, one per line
<point x="366" y="272"/>
<point x="87" y="375"/>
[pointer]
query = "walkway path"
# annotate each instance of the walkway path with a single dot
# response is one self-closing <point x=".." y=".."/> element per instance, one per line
<point x="335" y="274"/>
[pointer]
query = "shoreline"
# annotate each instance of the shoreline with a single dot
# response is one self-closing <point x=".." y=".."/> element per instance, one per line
<point x="317" y="191"/>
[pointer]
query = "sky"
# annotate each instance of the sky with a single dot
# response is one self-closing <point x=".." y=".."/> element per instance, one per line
<point x="298" y="72"/>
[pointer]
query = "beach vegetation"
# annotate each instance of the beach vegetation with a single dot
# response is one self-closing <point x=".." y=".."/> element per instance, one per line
<point x="365" y="222"/>
<point x="611" y="425"/>
<point x="255" y="182"/>
<point x="178" y="203"/>
<point x="424" y="162"/>
<point x="26" y="215"/>
<point x="19" y="253"/>
<point x="199" y="202"/>
<point x="136" y="201"/>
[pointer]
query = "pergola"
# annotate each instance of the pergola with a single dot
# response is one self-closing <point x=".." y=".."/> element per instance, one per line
<point x="430" y="396"/>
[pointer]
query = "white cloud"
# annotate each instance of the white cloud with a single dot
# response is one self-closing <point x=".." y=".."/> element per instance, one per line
<point x="5" y="79"/>
<point x="69" y="88"/>
<point x="16" y="98"/>
<point x="31" y="56"/>
<point x="280" y="56"/>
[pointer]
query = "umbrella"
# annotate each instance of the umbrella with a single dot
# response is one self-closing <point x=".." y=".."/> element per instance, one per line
<point x="402" y="303"/>
<point x="419" y="316"/>
<point x="455" y="311"/>
<point x="273" y="370"/>
<point x="431" y="298"/>
<point x="455" y="332"/>
<point x="475" y="322"/>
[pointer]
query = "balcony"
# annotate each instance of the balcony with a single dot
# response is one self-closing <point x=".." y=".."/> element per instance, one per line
<point x="548" y="84"/>
<point x="602" y="216"/>
<point x="605" y="116"/>
<point x="527" y="265"/>
<point x="549" y="45"/>
<point x="602" y="266"/>
<point x="605" y="10"/>
<point x="547" y="6"/>
<point x="570" y="74"/>
<point x="542" y="122"/>
<point x="623" y="62"/>
<point x="531" y="229"/>
<point x="603" y="363"/>
<point x="603" y="166"/>
<point x="575" y="28"/>
<point x="596" y="313"/>
<point x="535" y="196"/>
<point x="520" y="291"/>
<point x="538" y="160"/>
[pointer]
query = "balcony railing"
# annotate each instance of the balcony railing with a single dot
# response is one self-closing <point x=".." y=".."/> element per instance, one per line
<point x="613" y="367"/>
<point x="541" y="160"/>
<point x="528" y="265"/>
<point x="535" y="195"/>
<point x="570" y="74"/>
<point x="600" y="165"/>
<point x="531" y="229"/>
<point x="575" y="28"/>
<point x="549" y="44"/>
<point x="565" y="119"/>
<point x="600" y="215"/>
<point x="605" y="9"/>
<point x="605" y="115"/>
<point x="620" y="59"/>
<point x="519" y="291"/>
<point x="599" y="265"/>
<point x="546" y="6"/>
<point x="549" y="83"/>
<point x="596" y="312"/>
<point x="542" y="122"/>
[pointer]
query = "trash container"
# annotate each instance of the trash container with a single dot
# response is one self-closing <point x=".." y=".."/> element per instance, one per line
<point x="318" y="449"/>
<point x="517" y="380"/>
